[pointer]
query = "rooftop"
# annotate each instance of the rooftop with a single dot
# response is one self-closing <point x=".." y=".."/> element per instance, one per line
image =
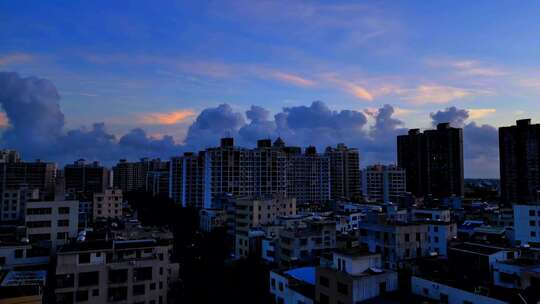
<point x="477" y="248"/>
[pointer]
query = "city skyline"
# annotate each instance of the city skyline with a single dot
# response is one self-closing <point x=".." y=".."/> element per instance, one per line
<point x="163" y="68"/>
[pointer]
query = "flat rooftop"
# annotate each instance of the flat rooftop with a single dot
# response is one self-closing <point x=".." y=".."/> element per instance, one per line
<point x="477" y="248"/>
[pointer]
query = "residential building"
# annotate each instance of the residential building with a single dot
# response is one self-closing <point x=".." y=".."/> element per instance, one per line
<point x="433" y="161"/>
<point x="520" y="273"/>
<point x="21" y="254"/>
<point x="305" y="240"/>
<point x="526" y="223"/>
<point x="9" y="156"/>
<point x="308" y="176"/>
<point x="52" y="223"/>
<point x="127" y="271"/>
<point x="344" y="172"/>
<point x="13" y="203"/>
<point x="353" y="276"/>
<point x="256" y="212"/>
<point x="22" y="286"/>
<point x="383" y="184"/>
<point x="107" y="204"/>
<point x="397" y="242"/>
<point x="293" y="286"/>
<point x="519" y="154"/>
<point x="157" y="182"/>
<point x="32" y="175"/>
<point x="451" y="292"/>
<point x="131" y="176"/>
<point x="82" y="180"/>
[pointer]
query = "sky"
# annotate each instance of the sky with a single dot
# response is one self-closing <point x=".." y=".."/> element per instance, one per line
<point x="113" y="79"/>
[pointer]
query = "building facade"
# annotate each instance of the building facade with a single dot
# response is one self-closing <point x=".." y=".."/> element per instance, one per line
<point x="383" y="184"/>
<point x="344" y="172"/>
<point x="519" y="152"/>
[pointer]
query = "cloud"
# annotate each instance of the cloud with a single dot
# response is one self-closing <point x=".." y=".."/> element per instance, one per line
<point x="36" y="128"/>
<point x="467" y="67"/>
<point x="4" y="121"/>
<point x="293" y="79"/>
<point x="169" y="118"/>
<point x="353" y="88"/>
<point x="437" y="94"/>
<point x="15" y="58"/>
<point x="480" y="113"/>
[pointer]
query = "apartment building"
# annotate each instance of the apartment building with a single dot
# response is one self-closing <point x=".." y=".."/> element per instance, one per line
<point x="13" y="203"/>
<point x="32" y="175"/>
<point x="353" y="276"/>
<point x="251" y="213"/>
<point x="306" y="240"/>
<point x="125" y="271"/>
<point x="383" y="184"/>
<point x="131" y="176"/>
<point x="396" y="241"/>
<point x="82" y="180"/>
<point x="308" y="176"/>
<point x="107" y="204"/>
<point x="344" y="172"/>
<point x="52" y="222"/>
<point x="526" y="223"/>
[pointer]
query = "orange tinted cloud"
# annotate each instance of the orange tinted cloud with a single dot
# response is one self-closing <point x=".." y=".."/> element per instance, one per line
<point x="4" y="122"/>
<point x="479" y="113"/>
<point x="169" y="118"/>
<point x="14" y="58"/>
<point x="293" y="79"/>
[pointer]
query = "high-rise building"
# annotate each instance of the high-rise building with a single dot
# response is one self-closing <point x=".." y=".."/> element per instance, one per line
<point x="9" y="156"/>
<point x="344" y="172"/>
<point x="107" y="204"/>
<point x="383" y="184"/>
<point x="433" y="161"/>
<point x="308" y="176"/>
<point x="83" y="180"/>
<point x="132" y="176"/>
<point x="33" y="175"/>
<point x="519" y="148"/>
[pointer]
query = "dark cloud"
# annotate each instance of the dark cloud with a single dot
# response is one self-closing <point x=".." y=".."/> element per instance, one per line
<point x="456" y="117"/>
<point x="37" y="129"/>
<point x="480" y="142"/>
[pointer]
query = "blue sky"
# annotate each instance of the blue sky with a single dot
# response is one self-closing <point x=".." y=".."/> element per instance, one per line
<point x="158" y="64"/>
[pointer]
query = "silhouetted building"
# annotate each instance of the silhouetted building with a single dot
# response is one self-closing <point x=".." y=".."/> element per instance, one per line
<point x="132" y="176"/>
<point x="519" y="148"/>
<point x="83" y="180"/>
<point x="33" y="175"/>
<point x="344" y="172"/>
<point x="433" y="161"/>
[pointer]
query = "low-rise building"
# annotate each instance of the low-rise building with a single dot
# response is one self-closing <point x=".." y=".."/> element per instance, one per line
<point x="52" y="222"/>
<point x="22" y="287"/>
<point x="353" y="276"/>
<point x="125" y="271"/>
<point x="526" y="223"/>
<point x="518" y="273"/>
<point x="293" y="286"/>
<point x="21" y="254"/>
<point x="305" y="241"/>
<point x="108" y="204"/>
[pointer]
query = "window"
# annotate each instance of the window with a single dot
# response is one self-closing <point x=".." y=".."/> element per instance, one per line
<point x="95" y="293"/>
<point x="35" y="211"/>
<point x="436" y="229"/>
<point x="444" y="298"/>
<point x="39" y="237"/>
<point x="18" y="253"/>
<point x="532" y="223"/>
<point x="152" y="286"/>
<point x="425" y="291"/>
<point x="117" y="294"/>
<point x="84" y="258"/>
<point x="273" y="283"/>
<point x="88" y="278"/>
<point x="38" y="224"/>
<point x="63" y="210"/>
<point x="280" y="286"/>
<point x="531" y="212"/>
<point x="533" y="233"/>
<point x="81" y="296"/>
<point x="118" y="276"/>
<point x="65" y="280"/>
<point x="407" y="237"/>
<point x="138" y="290"/>
<point x="63" y="223"/>
<point x="323" y="299"/>
<point x="324" y="281"/>
<point x="436" y="239"/>
<point x="342" y="288"/>
<point x="61" y="235"/>
<point x="418" y="236"/>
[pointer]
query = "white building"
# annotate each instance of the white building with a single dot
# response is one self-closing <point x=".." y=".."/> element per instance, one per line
<point x="348" y="221"/>
<point x="439" y="234"/>
<point x="108" y="204"/>
<point x="447" y="294"/>
<point x="52" y="222"/>
<point x="526" y="223"/>
<point x="353" y="276"/>
<point x="382" y="183"/>
<point x="293" y="286"/>
<point x="516" y="273"/>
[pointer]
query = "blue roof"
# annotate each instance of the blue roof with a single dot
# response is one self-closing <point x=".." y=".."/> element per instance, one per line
<point x="306" y="274"/>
